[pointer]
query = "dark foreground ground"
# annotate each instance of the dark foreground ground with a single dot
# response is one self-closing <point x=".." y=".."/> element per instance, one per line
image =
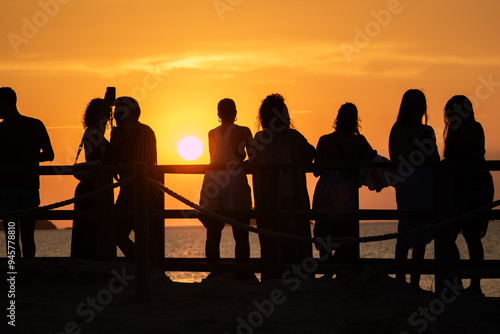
<point x="70" y="296"/>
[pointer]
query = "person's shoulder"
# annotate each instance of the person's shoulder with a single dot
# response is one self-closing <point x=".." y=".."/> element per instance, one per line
<point x="329" y="137"/>
<point x="145" y="128"/>
<point x="426" y="127"/>
<point x="398" y="130"/>
<point x="398" y="127"/>
<point x="243" y="128"/>
<point x="294" y="132"/>
<point x="33" y="123"/>
<point x="476" y="126"/>
<point x="359" y="137"/>
<point x="31" y="120"/>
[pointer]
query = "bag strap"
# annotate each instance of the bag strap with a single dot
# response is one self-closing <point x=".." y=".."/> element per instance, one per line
<point x="80" y="147"/>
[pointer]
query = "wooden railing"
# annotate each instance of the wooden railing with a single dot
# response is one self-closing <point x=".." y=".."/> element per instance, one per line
<point x="107" y="244"/>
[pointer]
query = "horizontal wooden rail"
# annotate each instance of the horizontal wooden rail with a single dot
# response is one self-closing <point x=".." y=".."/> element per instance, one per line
<point x="492" y="165"/>
<point x="386" y="215"/>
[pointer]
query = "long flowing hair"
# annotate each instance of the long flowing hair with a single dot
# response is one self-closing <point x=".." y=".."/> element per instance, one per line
<point x="458" y="111"/>
<point x="273" y="109"/>
<point x="406" y="108"/>
<point x="96" y="114"/>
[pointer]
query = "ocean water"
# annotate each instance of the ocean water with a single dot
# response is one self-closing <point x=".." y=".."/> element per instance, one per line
<point x="189" y="242"/>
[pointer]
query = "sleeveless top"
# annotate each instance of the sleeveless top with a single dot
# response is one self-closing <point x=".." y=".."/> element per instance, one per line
<point x="223" y="151"/>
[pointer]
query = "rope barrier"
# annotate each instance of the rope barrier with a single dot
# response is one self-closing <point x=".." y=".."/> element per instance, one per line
<point x="25" y="212"/>
<point x="345" y="240"/>
<point x="264" y="232"/>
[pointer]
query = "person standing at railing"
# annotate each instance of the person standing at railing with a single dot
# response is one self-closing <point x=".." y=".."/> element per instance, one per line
<point x="95" y="122"/>
<point x="24" y="143"/>
<point x="277" y="189"/>
<point x="226" y="189"/>
<point x="132" y="141"/>
<point x="337" y="189"/>
<point x="412" y="143"/>
<point x="465" y="182"/>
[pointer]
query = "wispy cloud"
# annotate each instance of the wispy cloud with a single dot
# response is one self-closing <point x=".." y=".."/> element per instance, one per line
<point x="64" y="127"/>
<point x="321" y="57"/>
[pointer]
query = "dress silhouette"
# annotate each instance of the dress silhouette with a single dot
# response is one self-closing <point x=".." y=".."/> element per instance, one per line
<point x="412" y="143"/>
<point x="465" y="183"/>
<point x="226" y="189"/>
<point x="84" y="238"/>
<point x="24" y="143"/>
<point x="337" y="189"/>
<point x="277" y="189"/>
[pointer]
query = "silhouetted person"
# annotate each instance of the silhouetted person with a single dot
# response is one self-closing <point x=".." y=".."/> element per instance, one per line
<point x="277" y="189"/>
<point x="337" y="189"/>
<point x="226" y="189"/>
<point x="84" y="237"/>
<point x="131" y="141"/>
<point x="465" y="183"/>
<point x="24" y="143"/>
<point x="411" y="144"/>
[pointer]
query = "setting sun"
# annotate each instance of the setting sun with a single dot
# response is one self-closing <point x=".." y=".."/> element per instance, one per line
<point x="190" y="148"/>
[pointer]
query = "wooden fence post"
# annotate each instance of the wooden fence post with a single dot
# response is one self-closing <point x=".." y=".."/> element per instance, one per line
<point x="141" y="223"/>
<point x="356" y="251"/>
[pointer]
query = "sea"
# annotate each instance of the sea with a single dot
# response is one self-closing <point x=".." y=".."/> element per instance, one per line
<point x="189" y="242"/>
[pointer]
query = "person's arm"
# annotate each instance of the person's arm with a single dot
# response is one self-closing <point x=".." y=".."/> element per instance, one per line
<point x="397" y="140"/>
<point x="318" y="158"/>
<point x="211" y="143"/>
<point x="366" y="153"/>
<point x="246" y="141"/>
<point x="47" y="153"/>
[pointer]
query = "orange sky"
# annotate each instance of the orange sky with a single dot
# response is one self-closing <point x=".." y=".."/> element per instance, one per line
<point x="179" y="58"/>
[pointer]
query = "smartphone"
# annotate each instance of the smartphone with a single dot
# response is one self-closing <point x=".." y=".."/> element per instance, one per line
<point x="110" y="93"/>
<point x="110" y="96"/>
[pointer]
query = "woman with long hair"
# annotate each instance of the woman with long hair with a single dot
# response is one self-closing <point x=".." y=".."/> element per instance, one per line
<point x="412" y="144"/>
<point x="94" y="144"/>
<point x="467" y="183"/>
<point x="277" y="189"/>
<point x="337" y="189"/>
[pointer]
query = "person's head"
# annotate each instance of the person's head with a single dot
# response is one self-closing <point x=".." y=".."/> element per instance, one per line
<point x="96" y="114"/>
<point x="458" y="111"/>
<point x="126" y="108"/>
<point x="413" y="108"/>
<point x="226" y="110"/>
<point x="347" y="119"/>
<point x="8" y="102"/>
<point x="273" y="112"/>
